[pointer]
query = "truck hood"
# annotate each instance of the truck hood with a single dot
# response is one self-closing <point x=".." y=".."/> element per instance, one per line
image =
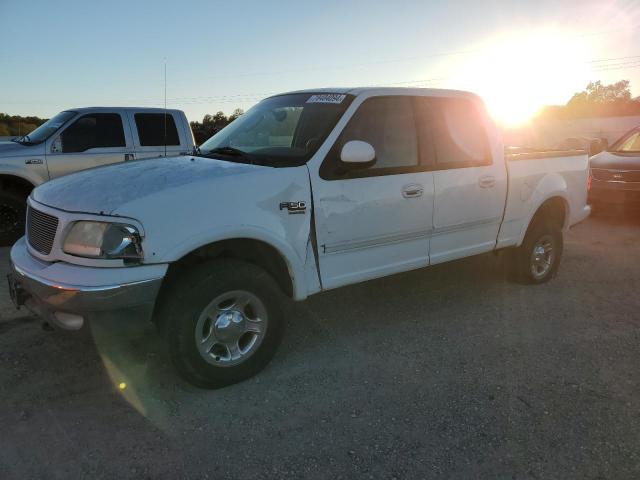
<point x="616" y="161"/>
<point x="103" y="190"/>
<point x="14" y="149"/>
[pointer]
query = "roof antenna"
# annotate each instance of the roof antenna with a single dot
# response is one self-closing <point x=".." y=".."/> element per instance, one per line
<point x="165" y="106"/>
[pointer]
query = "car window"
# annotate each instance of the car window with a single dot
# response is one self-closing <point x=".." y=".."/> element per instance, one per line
<point x="96" y="130"/>
<point x="631" y="144"/>
<point x="388" y="124"/>
<point x="48" y="128"/>
<point x="275" y="130"/>
<point x="156" y="129"/>
<point x="280" y="131"/>
<point x="459" y="136"/>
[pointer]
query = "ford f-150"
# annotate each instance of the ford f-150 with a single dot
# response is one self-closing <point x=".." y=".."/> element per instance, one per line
<point x="307" y="191"/>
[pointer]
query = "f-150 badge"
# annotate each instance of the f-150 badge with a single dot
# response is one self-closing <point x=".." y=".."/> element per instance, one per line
<point x="294" y="208"/>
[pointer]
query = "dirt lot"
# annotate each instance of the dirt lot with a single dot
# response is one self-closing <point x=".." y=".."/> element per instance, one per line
<point x="450" y="372"/>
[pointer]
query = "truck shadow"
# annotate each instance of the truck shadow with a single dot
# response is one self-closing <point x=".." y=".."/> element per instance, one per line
<point x="133" y="354"/>
<point x="130" y="357"/>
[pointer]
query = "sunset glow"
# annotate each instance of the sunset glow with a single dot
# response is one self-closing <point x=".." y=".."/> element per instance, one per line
<point x="517" y="73"/>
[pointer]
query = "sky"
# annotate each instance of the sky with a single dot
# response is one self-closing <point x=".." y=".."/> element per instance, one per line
<point x="222" y="55"/>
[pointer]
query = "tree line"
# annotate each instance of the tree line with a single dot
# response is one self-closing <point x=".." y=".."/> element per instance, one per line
<point x="15" y="125"/>
<point x="597" y="100"/>
<point x="212" y="124"/>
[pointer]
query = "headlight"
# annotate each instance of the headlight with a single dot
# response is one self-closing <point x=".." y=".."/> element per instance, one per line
<point x="103" y="240"/>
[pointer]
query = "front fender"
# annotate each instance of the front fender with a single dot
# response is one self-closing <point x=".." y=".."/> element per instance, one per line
<point x="295" y="264"/>
<point x="35" y="174"/>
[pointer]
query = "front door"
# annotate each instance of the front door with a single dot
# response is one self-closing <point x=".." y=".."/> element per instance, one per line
<point x="376" y="221"/>
<point x="92" y="140"/>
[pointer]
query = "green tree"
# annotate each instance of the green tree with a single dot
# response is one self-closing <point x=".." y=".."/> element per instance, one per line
<point x="597" y="100"/>
<point x="235" y="114"/>
<point x="599" y="94"/>
<point x="212" y="124"/>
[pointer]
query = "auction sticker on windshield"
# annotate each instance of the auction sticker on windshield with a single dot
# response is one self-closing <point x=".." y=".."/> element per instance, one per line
<point x="327" y="98"/>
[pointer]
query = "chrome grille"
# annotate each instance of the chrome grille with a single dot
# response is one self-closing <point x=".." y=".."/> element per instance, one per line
<point x="603" y="175"/>
<point x="41" y="230"/>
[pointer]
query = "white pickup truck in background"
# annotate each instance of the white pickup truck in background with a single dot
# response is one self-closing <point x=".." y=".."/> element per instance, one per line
<point x="78" y="139"/>
<point x="305" y="192"/>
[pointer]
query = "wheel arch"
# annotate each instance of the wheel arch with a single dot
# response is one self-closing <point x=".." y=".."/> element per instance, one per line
<point x="257" y="251"/>
<point x="556" y="208"/>
<point x="16" y="182"/>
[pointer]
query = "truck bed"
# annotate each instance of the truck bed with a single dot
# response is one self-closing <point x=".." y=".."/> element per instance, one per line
<point x="561" y="174"/>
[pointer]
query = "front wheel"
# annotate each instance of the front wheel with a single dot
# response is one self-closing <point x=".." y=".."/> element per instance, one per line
<point x="223" y="322"/>
<point x="13" y="207"/>
<point x="538" y="258"/>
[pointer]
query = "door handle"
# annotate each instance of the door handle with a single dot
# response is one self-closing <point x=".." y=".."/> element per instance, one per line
<point x="129" y="156"/>
<point x="412" y="191"/>
<point x="487" y="181"/>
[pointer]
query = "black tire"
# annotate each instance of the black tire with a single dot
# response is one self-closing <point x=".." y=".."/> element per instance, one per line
<point x="13" y="211"/>
<point x="186" y="298"/>
<point x="541" y="231"/>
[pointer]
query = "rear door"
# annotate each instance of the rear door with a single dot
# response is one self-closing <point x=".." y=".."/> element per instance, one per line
<point x="376" y="221"/>
<point x="158" y="134"/>
<point x="91" y="140"/>
<point x="470" y="180"/>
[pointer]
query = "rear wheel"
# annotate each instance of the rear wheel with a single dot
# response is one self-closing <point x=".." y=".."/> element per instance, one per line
<point x="13" y="208"/>
<point x="223" y="322"/>
<point x="537" y="259"/>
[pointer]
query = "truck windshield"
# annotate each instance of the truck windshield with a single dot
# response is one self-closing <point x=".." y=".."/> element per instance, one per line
<point x="280" y="131"/>
<point x="47" y="129"/>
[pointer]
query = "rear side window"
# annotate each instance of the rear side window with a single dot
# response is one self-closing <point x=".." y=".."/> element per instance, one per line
<point x="156" y="129"/>
<point x="458" y="133"/>
<point x="388" y="124"/>
<point x="96" y="130"/>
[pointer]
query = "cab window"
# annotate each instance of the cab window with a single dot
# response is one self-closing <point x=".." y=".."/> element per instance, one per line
<point x="388" y="124"/>
<point x="458" y="132"/>
<point x="96" y="130"/>
<point x="156" y="129"/>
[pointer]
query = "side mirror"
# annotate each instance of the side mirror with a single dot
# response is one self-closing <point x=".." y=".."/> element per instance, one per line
<point x="56" y="146"/>
<point x="358" y="154"/>
<point x="597" y="146"/>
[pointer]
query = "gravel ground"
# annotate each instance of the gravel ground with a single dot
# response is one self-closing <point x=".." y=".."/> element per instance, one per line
<point x="449" y="372"/>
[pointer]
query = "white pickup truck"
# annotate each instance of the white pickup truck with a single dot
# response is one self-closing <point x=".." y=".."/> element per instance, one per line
<point x="306" y="192"/>
<point x="78" y="139"/>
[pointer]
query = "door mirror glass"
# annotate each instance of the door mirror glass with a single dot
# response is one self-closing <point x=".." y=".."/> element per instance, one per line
<point x="358" y="154"/>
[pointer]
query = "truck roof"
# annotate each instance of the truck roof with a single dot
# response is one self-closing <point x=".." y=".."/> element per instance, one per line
<point x="435" y="92"/>
<point x="136" y="109"/>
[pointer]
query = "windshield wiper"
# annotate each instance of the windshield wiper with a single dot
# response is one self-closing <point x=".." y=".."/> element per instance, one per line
<point x="231" y="152"/>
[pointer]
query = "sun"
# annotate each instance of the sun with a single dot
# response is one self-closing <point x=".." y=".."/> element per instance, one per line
<point x="518" y="73"/>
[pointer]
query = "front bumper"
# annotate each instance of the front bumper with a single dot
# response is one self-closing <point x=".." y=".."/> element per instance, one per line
<point x="67" y="295"/>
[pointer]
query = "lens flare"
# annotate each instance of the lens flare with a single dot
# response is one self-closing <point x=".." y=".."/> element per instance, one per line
<point x="517" y="73"/>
